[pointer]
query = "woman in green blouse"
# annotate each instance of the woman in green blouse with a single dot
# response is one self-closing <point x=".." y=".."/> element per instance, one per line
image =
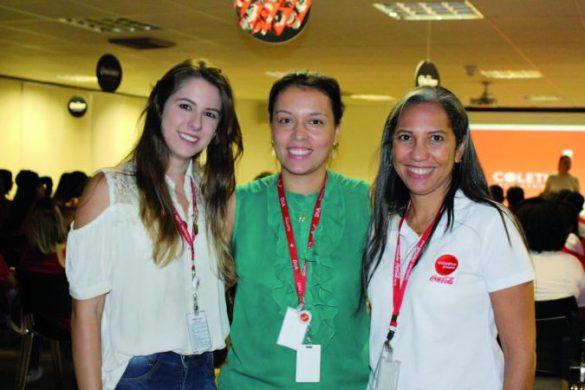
<point x="298" y="238"/>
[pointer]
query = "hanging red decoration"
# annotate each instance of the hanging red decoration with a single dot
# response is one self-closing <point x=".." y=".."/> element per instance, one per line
<point x="273" y="21"/>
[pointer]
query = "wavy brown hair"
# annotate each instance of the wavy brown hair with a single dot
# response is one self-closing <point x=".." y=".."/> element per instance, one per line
<point x="151" y="156"/>
<point x="45" y="229"/>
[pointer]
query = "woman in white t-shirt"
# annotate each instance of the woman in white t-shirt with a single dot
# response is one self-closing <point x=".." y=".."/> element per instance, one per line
<point x="558" y="274"/>
<point x="147" y="256"/>
<point x="446" y="270"/>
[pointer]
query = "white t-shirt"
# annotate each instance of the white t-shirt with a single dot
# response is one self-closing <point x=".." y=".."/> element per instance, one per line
<point x="146" y="306"/>
<point x="574" y="244"/>
<point x="446" y="334"/>
<point x="556" y="183"/>
<point x="558" y="275"/>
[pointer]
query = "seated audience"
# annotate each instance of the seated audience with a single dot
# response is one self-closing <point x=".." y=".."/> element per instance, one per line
<point x="558" y="274"/>
<point x="68" y="192"/>
<point x="7" y="285"/>
<point x="5" y="187"/>
<point x="47" y="184"/>
<point x="497" y="193"/>
<point x="577" y="200"/>
<point x="28" y="191"/>
<point x="46" y="234"/>
<point x="514" y="196"/>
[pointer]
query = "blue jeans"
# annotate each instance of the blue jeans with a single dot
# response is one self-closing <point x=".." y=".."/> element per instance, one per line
<point x="168" y="370"/>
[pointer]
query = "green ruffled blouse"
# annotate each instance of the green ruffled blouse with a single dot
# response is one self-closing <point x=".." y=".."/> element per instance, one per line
<point x="266" y="289"/>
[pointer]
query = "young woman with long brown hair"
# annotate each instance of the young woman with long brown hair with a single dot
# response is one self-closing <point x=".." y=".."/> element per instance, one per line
<point x="148" y="254"/>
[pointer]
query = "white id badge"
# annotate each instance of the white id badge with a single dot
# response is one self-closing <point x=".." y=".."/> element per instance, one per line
<point x="294" y="327"/>
<point x="385" y="376"/>
<point x="199" y="332"/>
<point x="308" y="364"/>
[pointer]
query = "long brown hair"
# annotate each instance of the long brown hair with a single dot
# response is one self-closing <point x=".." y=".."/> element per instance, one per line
<point x="151" y="156"/>
<point x="45" y="229"/>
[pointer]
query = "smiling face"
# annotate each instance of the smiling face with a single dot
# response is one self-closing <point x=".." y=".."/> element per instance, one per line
<point x="424" y="151"/>
<point x="189" y="119"/>
<point x="303" y="133"/>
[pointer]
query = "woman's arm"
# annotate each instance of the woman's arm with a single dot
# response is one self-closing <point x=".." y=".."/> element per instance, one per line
<point x="514" y="314"/>
<point x="86" y="316"/>
<point x="86" y="342"/>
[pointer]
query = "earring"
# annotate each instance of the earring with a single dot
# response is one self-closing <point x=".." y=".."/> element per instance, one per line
<point x="334" y="151"/>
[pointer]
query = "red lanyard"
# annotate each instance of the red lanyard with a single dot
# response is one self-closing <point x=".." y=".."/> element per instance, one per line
<point x="399" y="287"/>
<point x="184" y="230"/>
<point x="300" y="277"/>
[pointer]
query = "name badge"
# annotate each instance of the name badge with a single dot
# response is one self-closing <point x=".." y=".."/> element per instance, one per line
<point x="308" y="364"/>
<point x="385" y="375"/>
<point x="294" y="328"/>
<point x="199" y="332"/>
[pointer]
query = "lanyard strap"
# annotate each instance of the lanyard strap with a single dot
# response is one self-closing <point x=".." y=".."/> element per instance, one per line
<point x="184" y="230"/>
<point x="398" y="286"/>
<point x="300" y="276"/>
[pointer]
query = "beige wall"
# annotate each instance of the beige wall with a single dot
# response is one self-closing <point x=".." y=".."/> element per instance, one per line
<point x="38" y="133"/>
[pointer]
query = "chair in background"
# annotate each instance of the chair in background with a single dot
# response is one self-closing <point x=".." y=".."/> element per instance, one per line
<point x="46" y="307"/>
<point x="558" y="336"/>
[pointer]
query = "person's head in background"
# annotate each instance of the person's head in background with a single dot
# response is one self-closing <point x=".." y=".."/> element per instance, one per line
<point x="47" y="184"/>
<point x="497" y="193"/>
<point x="5" y="182"/>
<point x="540" y="218"/>
<point x="28" y="190"/>
<point x="564" y="164"/>
<point x="305" y="111"/>
<point x="514" y="195"/>
<point x="45" y="228"/>
<point x="70" y="188"/>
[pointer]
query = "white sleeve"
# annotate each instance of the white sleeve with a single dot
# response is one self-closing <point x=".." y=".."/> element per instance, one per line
<point x="505" y="261"/>
<point x="89" y="257"/>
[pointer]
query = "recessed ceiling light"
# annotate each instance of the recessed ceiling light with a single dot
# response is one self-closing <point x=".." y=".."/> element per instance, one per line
<point x="445" y="10"/>
<point x="77" y="78"/>
<point x="542" y="98"/>
<point x="106" y="25"/>
<point x="372" y="98"/>
<point x="511" y="74"/>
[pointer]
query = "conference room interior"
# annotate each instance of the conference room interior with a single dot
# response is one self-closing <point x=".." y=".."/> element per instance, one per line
<point x="517" y="68"/>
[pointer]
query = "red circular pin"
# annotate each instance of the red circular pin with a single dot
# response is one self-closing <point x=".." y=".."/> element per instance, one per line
<point x="446" y="264"/>
<point x="305" y="316"/>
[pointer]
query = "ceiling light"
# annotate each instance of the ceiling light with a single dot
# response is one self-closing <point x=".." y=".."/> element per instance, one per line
<point x="77" y="78"/>
<point x="107" y="25"/>
<point x="372" y="98"/>
<point x="141" y="43"/>
<point x="542" y="98"/>
<point x="512" y="74"/>
<point x="445" y="10"/>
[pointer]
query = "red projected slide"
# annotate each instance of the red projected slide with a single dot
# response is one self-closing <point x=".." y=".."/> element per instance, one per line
<point x="524" y="155"/>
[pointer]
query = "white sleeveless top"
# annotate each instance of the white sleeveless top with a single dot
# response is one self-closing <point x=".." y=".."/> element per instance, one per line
<point x="146" y="305"/>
